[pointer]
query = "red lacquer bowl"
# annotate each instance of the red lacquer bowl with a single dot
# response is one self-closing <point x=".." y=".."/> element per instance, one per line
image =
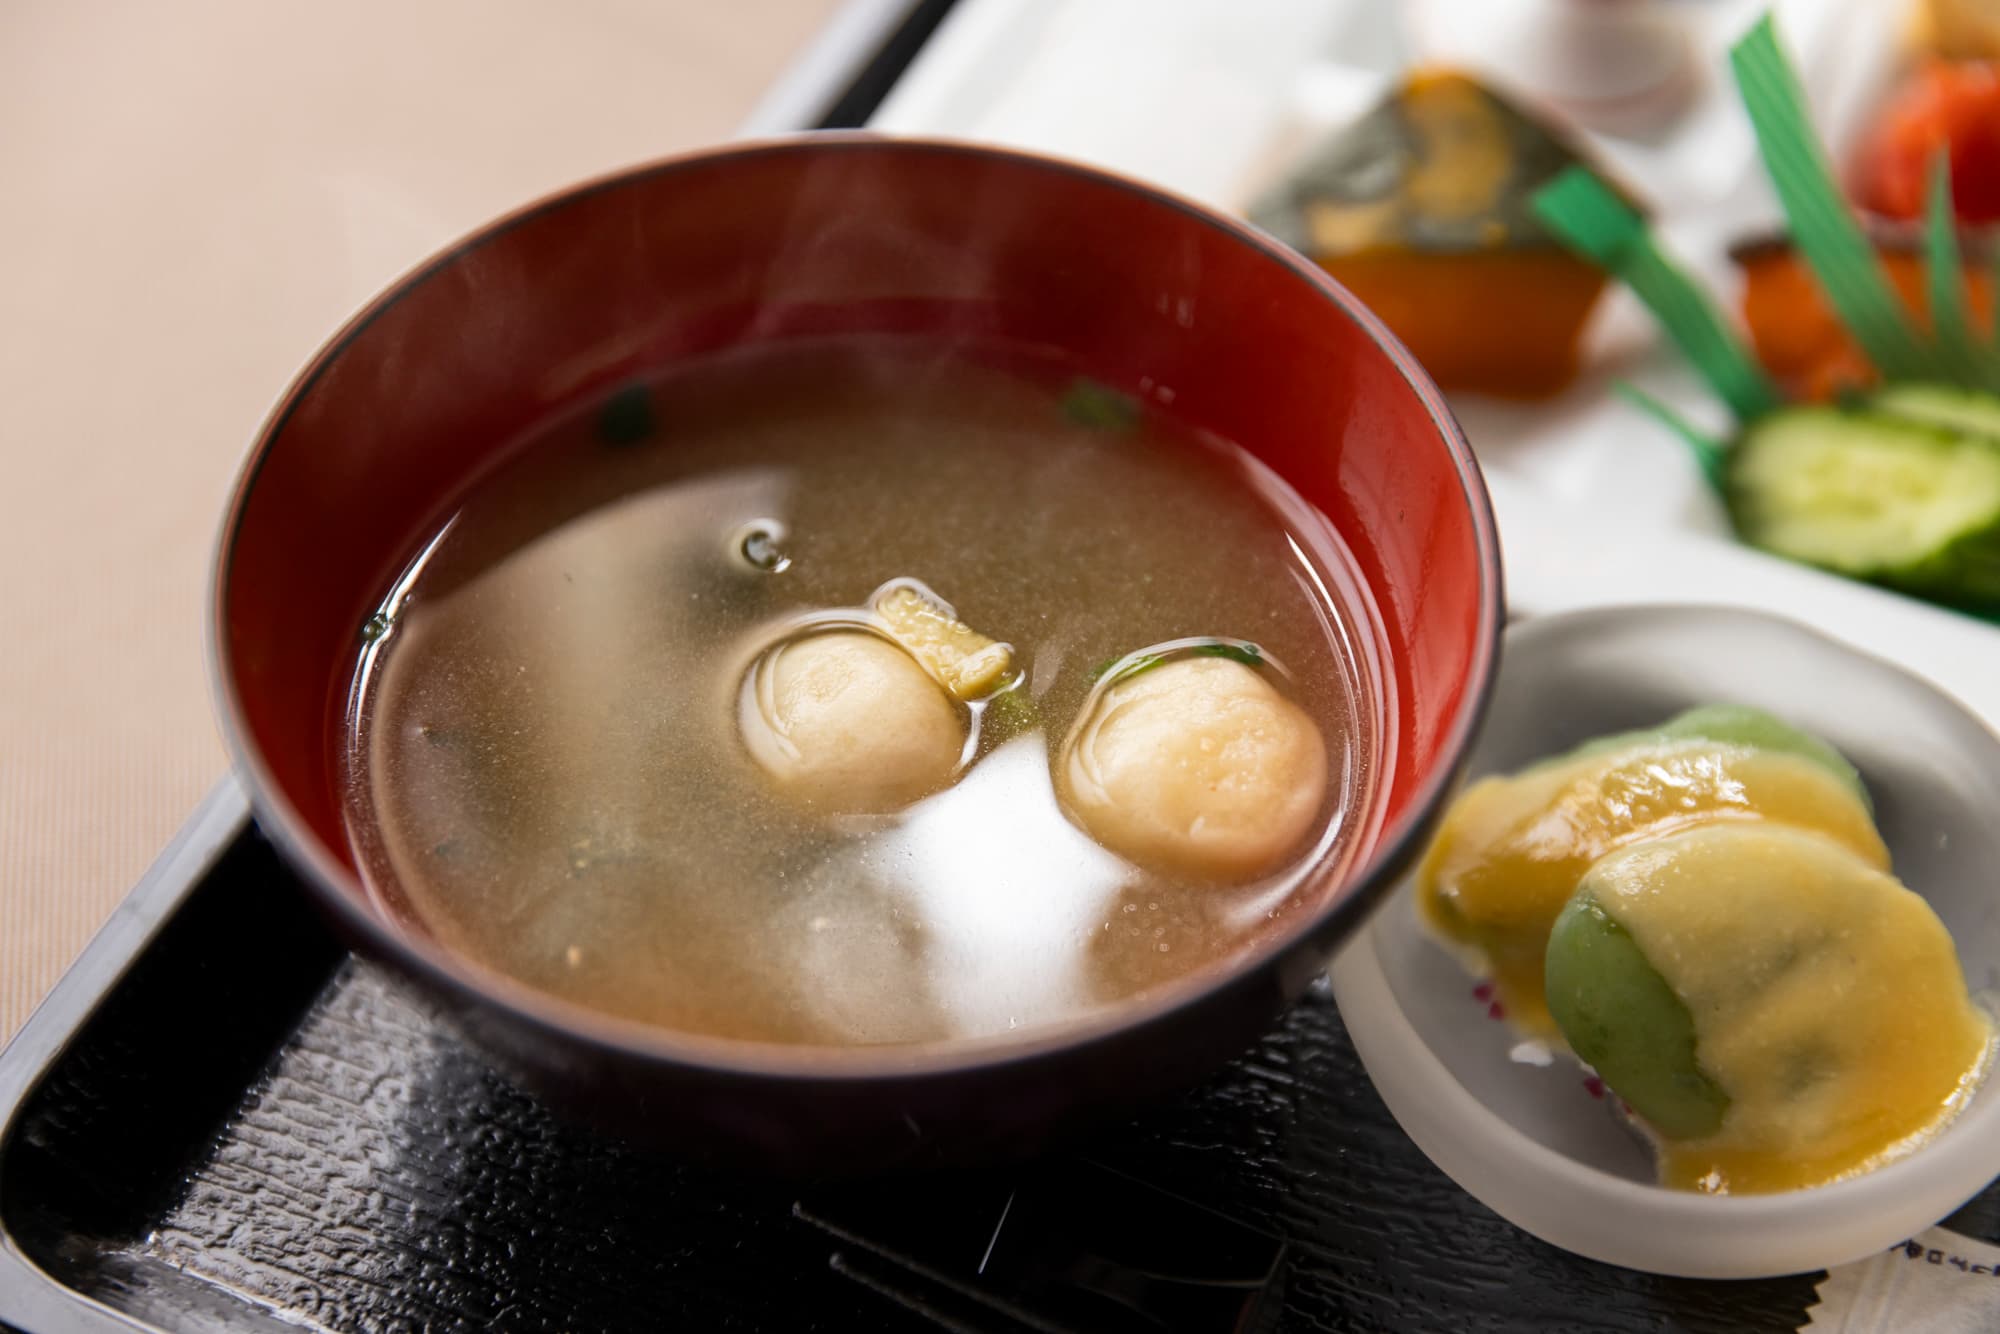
<point x="820" y="234"/>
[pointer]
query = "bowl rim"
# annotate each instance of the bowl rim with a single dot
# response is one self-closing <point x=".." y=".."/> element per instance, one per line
<point x="466" y="979"/>
<point x="1548" y="1193"/>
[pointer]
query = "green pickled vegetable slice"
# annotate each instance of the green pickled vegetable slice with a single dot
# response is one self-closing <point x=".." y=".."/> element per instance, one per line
<point x="1741" y="725"/>
<point x="1622" y="1019"/>
<point x="1729" y="725"/>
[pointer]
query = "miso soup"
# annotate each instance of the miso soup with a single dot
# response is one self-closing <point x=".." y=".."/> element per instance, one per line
<point x="855" y="693"/>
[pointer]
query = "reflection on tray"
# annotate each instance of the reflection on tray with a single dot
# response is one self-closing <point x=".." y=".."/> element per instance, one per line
<point x="1065" y="1247"/>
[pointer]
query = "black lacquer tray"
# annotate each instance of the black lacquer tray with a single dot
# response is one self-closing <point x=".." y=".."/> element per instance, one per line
<point x="220" y="1120"/>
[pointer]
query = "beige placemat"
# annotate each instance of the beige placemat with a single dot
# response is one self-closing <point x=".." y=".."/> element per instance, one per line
<point x="195" y="195"/>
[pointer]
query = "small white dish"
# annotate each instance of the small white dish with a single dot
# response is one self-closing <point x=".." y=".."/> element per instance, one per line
<point x="1522" y="1130"/>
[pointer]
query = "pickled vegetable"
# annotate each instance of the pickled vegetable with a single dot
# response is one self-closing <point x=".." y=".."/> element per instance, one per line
<point x="1780" y="1012"/>
<point x="1622" y="1019"/>
<point x="1739" y="725"/>
<point x="1513" y="849"/>
<point x="965" y="662"/>
<point x="1720" y="940"/>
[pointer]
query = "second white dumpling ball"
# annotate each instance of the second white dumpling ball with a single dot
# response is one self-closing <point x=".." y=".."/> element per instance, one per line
<point x="1199" y="766"/>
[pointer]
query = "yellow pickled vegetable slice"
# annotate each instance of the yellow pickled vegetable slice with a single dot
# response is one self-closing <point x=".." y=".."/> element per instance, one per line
<point x="967" y="663"/>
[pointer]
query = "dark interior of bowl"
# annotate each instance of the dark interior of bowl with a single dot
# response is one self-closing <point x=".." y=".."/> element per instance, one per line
<point x="573" y="297"/>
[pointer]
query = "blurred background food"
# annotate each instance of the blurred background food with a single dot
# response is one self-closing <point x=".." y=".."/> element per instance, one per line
<point x="1898" y="483"/>
<point x="1796" y="334"/>
<point x="1615" y="66"/>
<point x="1421" y="208"/>
<point x="1959" y="29"/>
<point x="1948" y="108"/>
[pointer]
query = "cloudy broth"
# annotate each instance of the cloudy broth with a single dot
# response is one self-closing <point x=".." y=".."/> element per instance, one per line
<point x="545" y="765"/>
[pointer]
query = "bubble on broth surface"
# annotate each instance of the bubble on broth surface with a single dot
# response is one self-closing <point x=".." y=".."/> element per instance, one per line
<point x="760" y="544"/>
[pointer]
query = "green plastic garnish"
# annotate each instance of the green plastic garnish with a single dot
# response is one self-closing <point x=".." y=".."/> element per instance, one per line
<point x="1590" y="217"/>
<point x="1993" y="277"/>
<point x="1595" y="222"/>
<point x="1710" y="454"/>
<point x="1823" y="227"/>
<point x="1958" y="349"/>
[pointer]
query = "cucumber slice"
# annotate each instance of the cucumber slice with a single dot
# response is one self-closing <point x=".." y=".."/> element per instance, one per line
<point x="1966" y="411"/>
<point x="1622" y="1019"/>
<point x="1873" y="496"/>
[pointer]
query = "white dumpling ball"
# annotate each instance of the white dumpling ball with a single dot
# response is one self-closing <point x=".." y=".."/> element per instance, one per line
<point x="846" y="721"/>
<point x="1198" y="766"/>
